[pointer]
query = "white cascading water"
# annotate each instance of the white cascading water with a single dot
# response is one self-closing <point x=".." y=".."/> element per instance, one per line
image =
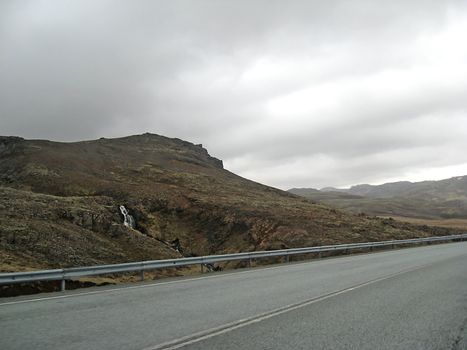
<point x="128" y="220"/>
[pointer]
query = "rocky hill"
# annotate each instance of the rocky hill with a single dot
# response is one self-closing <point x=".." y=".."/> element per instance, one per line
<point x="60" y="206"/>
<point x="449" y="189"/>
<point x="445" y="199"/>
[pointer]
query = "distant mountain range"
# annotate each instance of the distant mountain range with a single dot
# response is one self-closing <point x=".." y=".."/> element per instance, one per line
<point x="60" y="206"/>
<point x="442" y="199"/>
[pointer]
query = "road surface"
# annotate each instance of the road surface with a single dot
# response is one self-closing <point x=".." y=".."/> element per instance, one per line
<point x="403" y="299"/>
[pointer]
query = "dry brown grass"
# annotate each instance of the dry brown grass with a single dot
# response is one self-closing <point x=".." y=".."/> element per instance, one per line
<point x="449" y="223"/>
<point x="59" y="206"/>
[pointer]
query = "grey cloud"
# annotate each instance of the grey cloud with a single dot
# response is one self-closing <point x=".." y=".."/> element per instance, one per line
<point x="380" y="85"/>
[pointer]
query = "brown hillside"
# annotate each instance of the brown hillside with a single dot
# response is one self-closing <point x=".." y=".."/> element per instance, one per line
<point x="438" y="202"/>
<point x="59" y="205"/>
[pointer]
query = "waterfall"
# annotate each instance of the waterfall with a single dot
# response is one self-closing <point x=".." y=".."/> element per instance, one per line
<point x="128" y="220"/>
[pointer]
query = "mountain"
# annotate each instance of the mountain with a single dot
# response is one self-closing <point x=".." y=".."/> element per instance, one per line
<point x="60" y="205"/>
<point x="449" y="189"/>
<point x="445" y="199"/>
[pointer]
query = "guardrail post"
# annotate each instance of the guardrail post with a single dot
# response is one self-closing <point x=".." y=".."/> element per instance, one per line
<point x="142" y="275"/>
<point x="63" y="274"/>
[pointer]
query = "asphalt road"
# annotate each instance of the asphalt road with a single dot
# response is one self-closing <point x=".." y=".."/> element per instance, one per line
<point x="404" y="299"/>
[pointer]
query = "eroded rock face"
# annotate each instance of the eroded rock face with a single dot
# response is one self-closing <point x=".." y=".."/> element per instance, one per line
<point x="43" y="231"/>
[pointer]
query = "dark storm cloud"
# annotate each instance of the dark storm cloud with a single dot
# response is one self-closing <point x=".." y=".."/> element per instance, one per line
<point x="297" y="93"/>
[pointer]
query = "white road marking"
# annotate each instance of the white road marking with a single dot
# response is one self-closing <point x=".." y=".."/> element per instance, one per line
<point x="153" y="284"/>
<point x="229" y="327"/>
<point x="232" y="273"/>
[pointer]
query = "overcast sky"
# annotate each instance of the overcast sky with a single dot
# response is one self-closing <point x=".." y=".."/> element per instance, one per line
<point x="287" y="93"/>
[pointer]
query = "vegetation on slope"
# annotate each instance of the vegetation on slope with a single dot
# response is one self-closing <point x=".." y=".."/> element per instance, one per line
<point x="445" y="199"/>
<point x="59" y="206"/>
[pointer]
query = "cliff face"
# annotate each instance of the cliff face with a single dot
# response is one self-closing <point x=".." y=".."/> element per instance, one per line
<point x="59" y="205"/>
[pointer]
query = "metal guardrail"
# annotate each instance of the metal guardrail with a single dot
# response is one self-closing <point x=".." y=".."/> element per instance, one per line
<point x="74" y="272"/>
